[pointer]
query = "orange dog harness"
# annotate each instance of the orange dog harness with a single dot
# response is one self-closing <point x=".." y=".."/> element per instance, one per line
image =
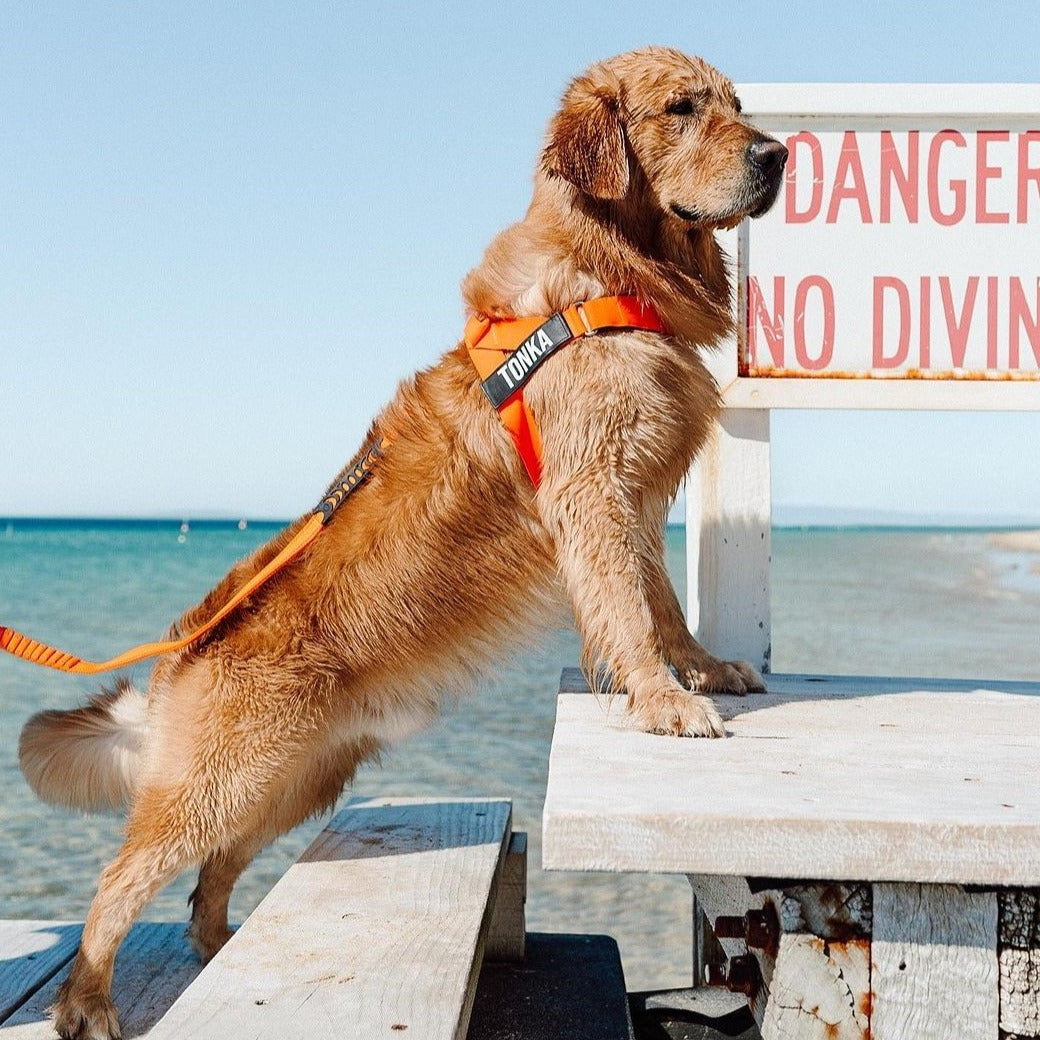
<point x="507" y="351"/>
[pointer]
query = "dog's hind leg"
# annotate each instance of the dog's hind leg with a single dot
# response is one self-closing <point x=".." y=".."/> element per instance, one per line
<point x="313" y="788"/>
<point x="150" y="857"/>
<point x="209" y="928"/>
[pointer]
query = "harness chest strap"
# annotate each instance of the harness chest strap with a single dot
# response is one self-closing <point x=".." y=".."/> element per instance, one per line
<point x="506" y="352"/>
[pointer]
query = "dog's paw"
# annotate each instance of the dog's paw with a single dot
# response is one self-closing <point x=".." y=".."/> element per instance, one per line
<point x="207" y="939"/>
<point x="732" y="677"/>
<point x="79" y="1017"/>
<point x="677" y="713"/>
<point x="753" y="681"/>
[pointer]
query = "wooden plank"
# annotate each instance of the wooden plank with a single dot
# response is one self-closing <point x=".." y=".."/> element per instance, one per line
<point x="32" y="952"/>
<point x="871" y="781"/>
<point x="923" y="395"/>
<point x="1019" y="959"/>
<point x="377" y="930"/>
<point x="728" y="540"/>
<point x="934" y="963"/>
<point x="784" y="687"/>
<point x="507" y="937"/>
<point x="815" y="101"/>
<point x="153" y="967"/>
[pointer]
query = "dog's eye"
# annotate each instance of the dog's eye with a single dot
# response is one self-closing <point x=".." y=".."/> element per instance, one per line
<point x="682" y="106"/>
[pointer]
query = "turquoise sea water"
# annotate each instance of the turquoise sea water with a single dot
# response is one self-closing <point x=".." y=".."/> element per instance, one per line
<point x="911" y="602"/>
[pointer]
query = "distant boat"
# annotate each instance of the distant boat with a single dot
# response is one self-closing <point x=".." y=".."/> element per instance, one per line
<point x="242" y="525"/>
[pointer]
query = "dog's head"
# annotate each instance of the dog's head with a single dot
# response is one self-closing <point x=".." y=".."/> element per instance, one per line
<point x="658" y="128"/>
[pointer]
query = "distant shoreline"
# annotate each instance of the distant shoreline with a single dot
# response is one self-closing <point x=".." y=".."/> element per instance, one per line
<point x="1017" y="541"/>
<point x="1012" y="536"/>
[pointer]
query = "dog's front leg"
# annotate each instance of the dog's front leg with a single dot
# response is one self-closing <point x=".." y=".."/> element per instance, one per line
<point x="696" y="667"/>
<point x="595" y="532"/>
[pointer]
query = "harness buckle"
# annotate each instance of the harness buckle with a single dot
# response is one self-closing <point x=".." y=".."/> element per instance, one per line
<point x="580" y="309"/>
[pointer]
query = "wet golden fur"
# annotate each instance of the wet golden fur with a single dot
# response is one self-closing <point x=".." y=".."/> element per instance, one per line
<point x="434" y="563"/>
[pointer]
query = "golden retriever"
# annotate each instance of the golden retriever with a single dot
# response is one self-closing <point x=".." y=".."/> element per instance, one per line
<point x="448" y="550"/>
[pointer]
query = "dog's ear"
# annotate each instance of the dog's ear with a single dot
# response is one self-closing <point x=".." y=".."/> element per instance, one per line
<point x="586" y="143"/>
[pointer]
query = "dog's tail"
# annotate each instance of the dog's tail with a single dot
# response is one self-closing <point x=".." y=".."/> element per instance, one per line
<point x="87" y="758"/>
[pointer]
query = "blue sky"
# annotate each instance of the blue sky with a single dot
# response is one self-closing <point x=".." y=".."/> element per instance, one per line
<point x="228" y="230"/>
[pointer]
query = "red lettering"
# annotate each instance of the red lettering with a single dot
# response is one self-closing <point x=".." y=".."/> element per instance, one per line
<point x="925" y="361"/>
<point x="985" y="173"/>
<point x="991" y="322"/>
<point x="849" y="168"/>
<point x="772" y="324"/>
<point x="1026" y="174"/>
<point x="791" y="212"/>
<point x="958" y="327"/>
<point x="881" y="283"/>
<point x="959" y="188"/>
<point x="823" y="359"/>
<point x="904" y="178"/>
<point x="1019" y="314"/>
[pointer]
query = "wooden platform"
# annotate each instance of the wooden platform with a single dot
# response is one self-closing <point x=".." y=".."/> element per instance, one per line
<point x="882" y="835"/>
<point x="823" y="777"/>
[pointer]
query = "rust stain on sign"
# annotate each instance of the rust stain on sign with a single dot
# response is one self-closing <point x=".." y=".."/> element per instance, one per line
<point x="953" y="375"/>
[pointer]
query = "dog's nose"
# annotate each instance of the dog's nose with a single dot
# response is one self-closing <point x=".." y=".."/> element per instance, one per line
<point x="768" y="155"/>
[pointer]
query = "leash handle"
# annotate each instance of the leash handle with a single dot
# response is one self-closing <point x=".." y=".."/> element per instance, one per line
<point x="32" y="650"/>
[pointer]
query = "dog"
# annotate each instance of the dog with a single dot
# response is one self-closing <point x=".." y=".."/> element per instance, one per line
<point x="448" y="551"/>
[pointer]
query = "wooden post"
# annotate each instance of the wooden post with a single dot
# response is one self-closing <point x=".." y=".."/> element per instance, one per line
<point x="507" y="937"/>
<point x="728" y="540"/>
<point x="1019" y="955"/>
<point x="934" y="963"/>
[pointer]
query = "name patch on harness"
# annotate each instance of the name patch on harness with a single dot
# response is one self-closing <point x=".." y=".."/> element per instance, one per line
<point x="518" y="368"/>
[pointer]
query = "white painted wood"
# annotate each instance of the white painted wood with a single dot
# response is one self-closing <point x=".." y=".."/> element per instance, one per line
<point x="507" y="939"/>
<point x="819" y="991"/>
<point x="30" y="953"/>
<point x="153" y="967"/>
<point x="377" y="931"/>
<point x="934" y="963"/>
<point x="1019" y="959"/>
<point x="976" y="395"/>
<point x="810" y="101"/>
<point x="728" y="540"/>
<point x="832" y="779"/>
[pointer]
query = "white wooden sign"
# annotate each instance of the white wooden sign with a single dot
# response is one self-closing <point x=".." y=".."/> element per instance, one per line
<point x="905" y="244"/>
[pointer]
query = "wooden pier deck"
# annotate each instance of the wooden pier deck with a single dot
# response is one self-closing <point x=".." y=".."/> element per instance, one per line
<point x="401" y="917"/>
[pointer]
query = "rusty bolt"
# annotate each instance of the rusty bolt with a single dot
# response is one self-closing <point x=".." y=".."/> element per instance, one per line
<point x="715" y="975"/>
<point x="738" y="975"/>
<point x="763" y="929"/>
<point x="743" y="975"/>
<point x="758" y="928"/>
<point x="728" y="927"/>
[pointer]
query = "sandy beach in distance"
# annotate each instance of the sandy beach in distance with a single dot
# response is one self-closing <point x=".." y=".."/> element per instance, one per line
<point x="1016" y="541"/>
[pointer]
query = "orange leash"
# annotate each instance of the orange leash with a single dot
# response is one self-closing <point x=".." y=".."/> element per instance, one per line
<point x="33" y="650"/>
